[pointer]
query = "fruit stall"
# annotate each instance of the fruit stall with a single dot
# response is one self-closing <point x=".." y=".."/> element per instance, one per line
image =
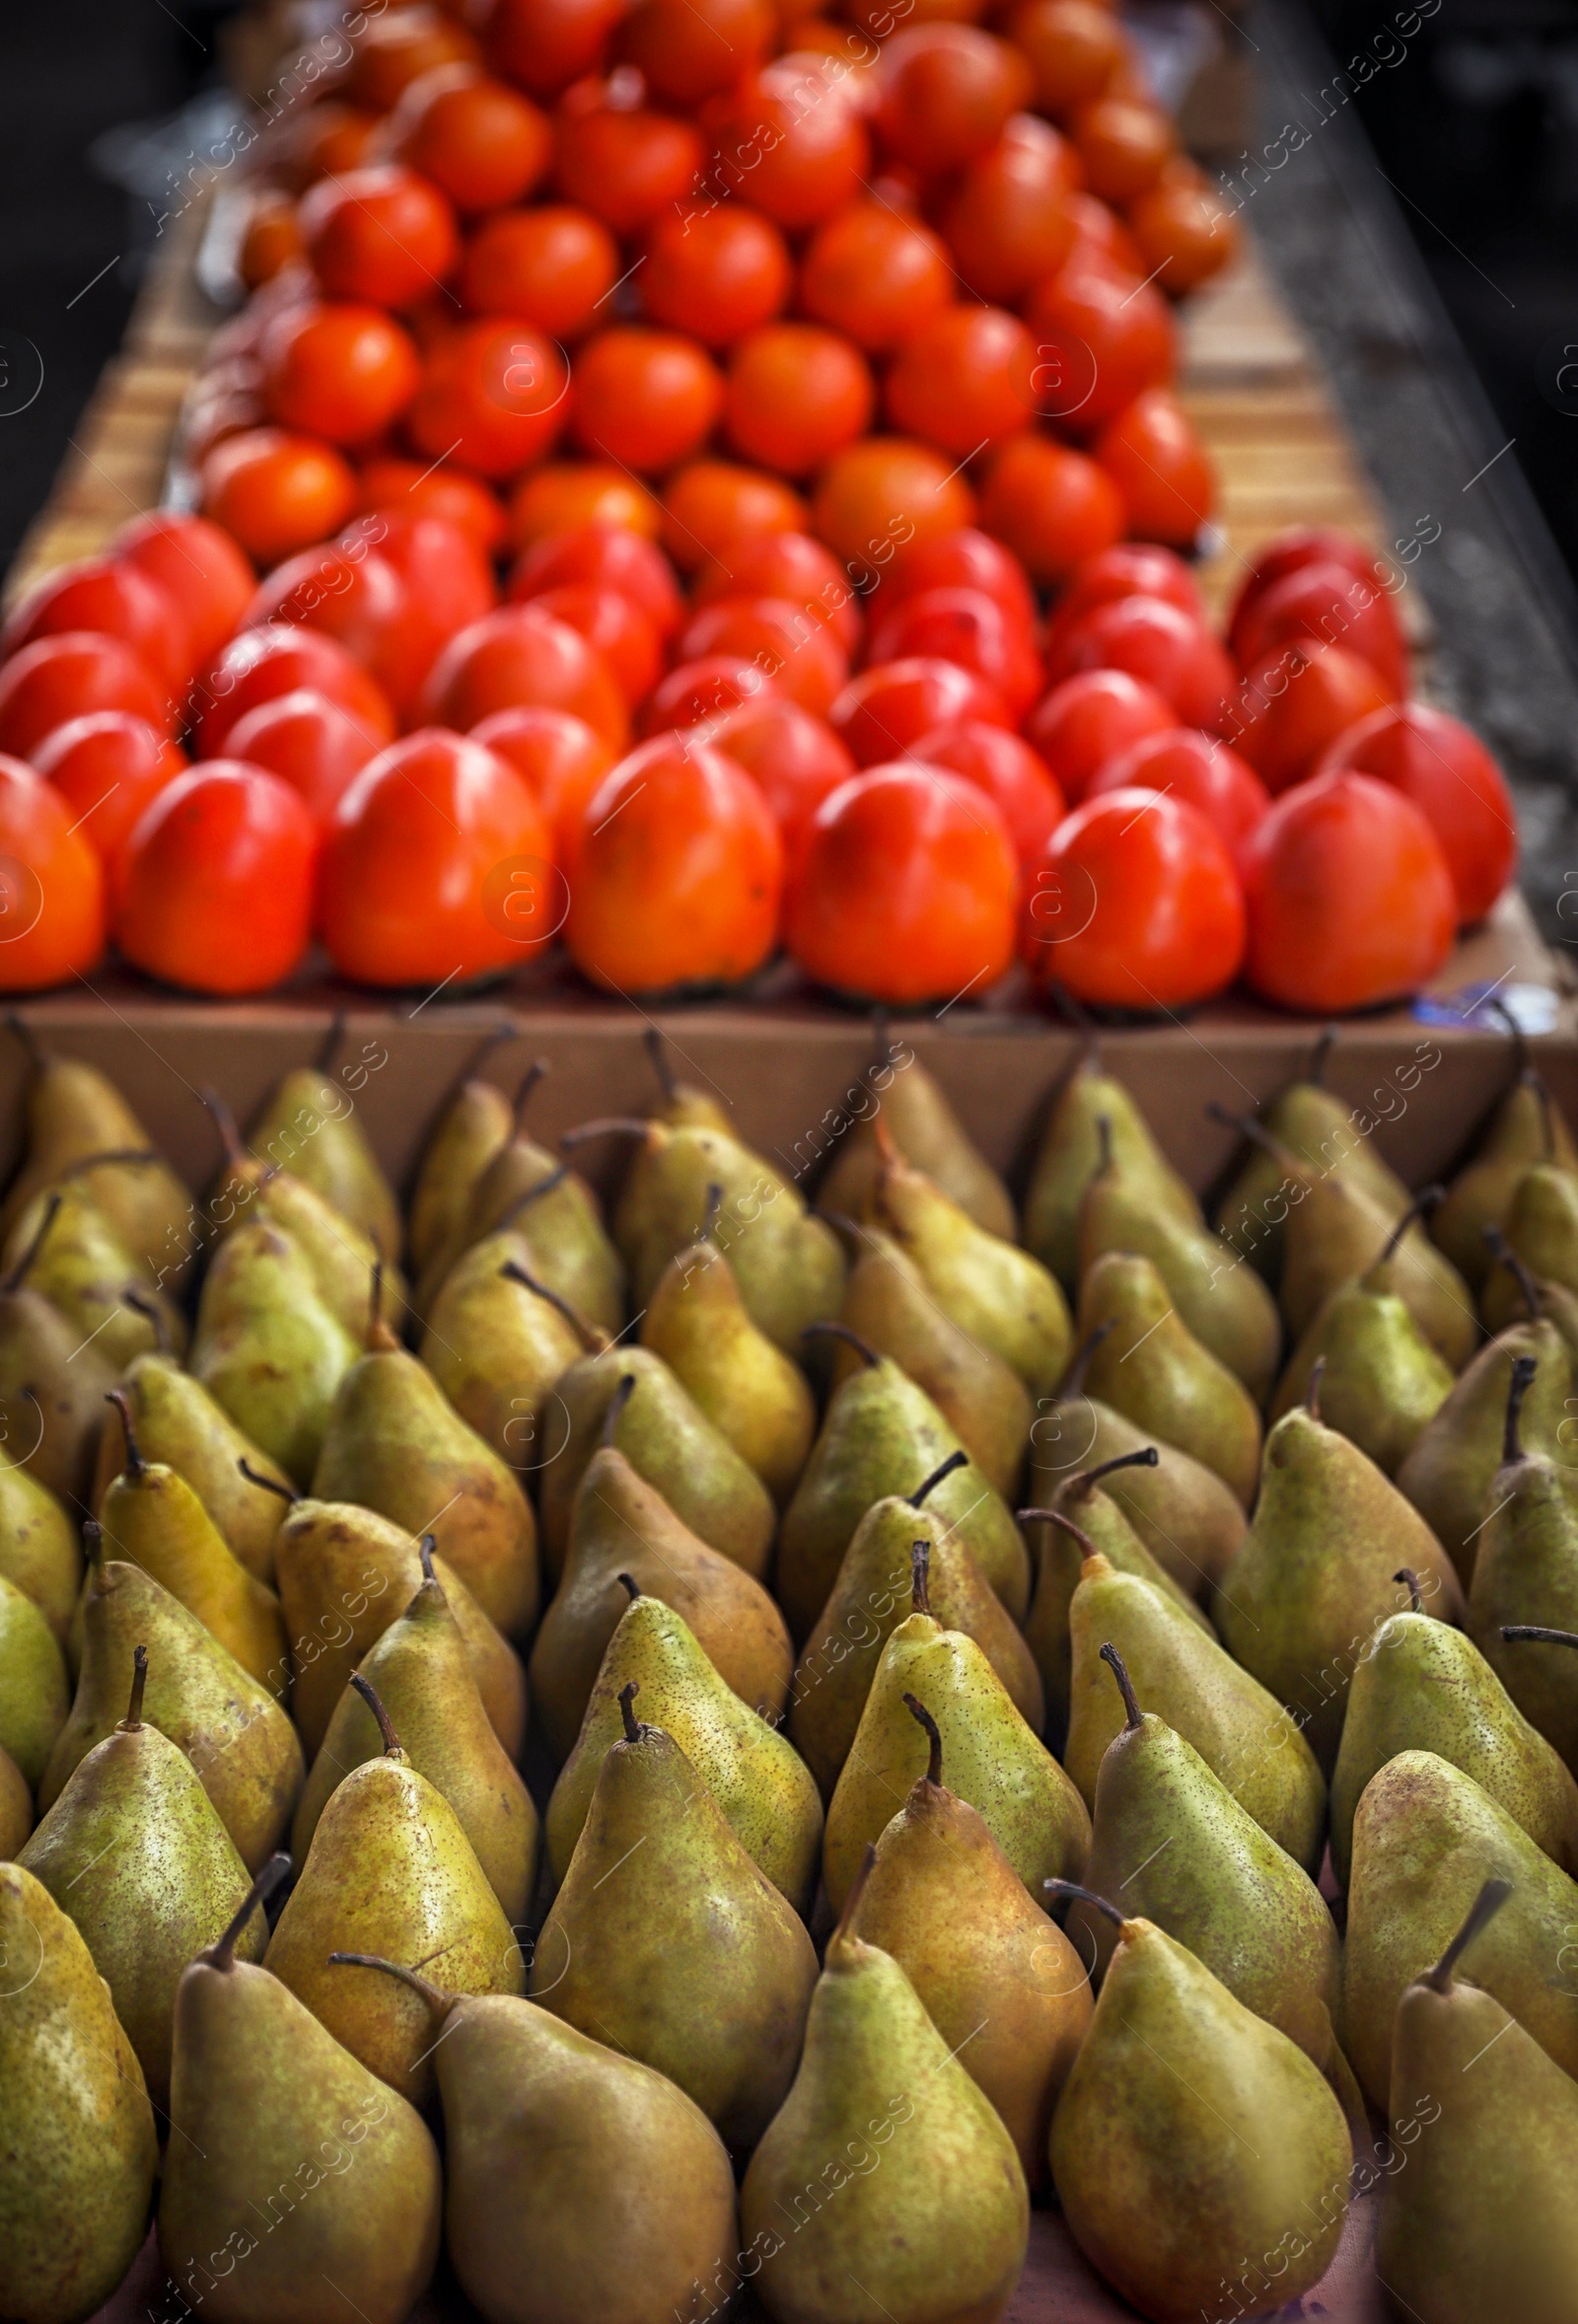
<point x="789" y="1299"/>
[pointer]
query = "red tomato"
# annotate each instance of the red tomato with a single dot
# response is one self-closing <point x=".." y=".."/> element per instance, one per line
<point x="698" y="691"/>
<point x="338" y="371"/>
<point x="259" y="663"/>
<point x="796" y="650"/>
<point x="1009" y="771"/>
<point x="568" y="493"/>
<point x="1088" y="721"/>
<point x="275" y="492"/>
<point x="717" y="274"/>
<point x="384" y="235"/>
<point x="963" y="626"/>
<point x="1007" y="220"/>
<point x="67" y="676"/>
<point x="107" y="768"/>
<point x="1135" y="904"/>
<point x="311" y="742"/>
<point x="1292" y="705"/>
<point x="439" y="866"/>
<point x="521" y="654"/>
<point x="884" y="493"/>
<point x="906" y="889"/>
<point x="795" y="396"/>
<point x="1444" y="767"/>
<point x="1193" y="767"/>
<point x="552" y="266"/>
<point x="616" y="158"/>
<point x="1350" y="901"/>
<point x="475" y="139"/>
<point x="1101" y="339"/>
<point x="790" y="140"/>
<point x="449" y="580"/>
<point x="603" y="557"/>
<point x="883" y="712"/>
<point x="114" y="599"/>
<point x="678" y="873"/>
<point x="1163" y="471"/>
<point x="197" y="565"/>
<point x="493" y="394"/>
<point x="690" y="49"/>
<point x="1286" y="553"/>
<point x="616" y="626"/>
<point x="1333" y="605"/>
<point x="946" y="93"/>
<point x="546" y="44"/>
<point x="784" y="564"/>
<point x="965" y="379"/>
<point x="51" y="886"/>
<point x="874" y="275"/>
<point x="794" y="760"/>
<point x="964" y="560"/>
<point x="214" y="887"/>
<point x="559" y="757"/>
<point x="1153" y="640"/>
<point x="1130" y="568"/>
<point x="391" y="485"/>
<point x="361" y="601"/>
<point x="645" y="399"/>
<point x="1051" y="505"/>
<point x="709" y="505"/>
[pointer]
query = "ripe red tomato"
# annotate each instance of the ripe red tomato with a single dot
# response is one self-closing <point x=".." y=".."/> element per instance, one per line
<point x="1130" y="568"/>
<point x="1350" y="901"/>
<point x="1051" y="505"/>
<point x="964" y="560"/>
<point x="67" y="676"/>
<point x="645" y="399"/>
<point x="1135" y="904"/>
<point x="945" y="93"/>
<point x="1284" y="553"/>
<point x="449" y="580"/>
<point x="1292" y="705"/>
<point x="882" y="494"/>
<point x="800" y="653"/>
<point x="1163" y="471"/>
<point x="1153" y="640"/>
<point x="1196" y="767"/>
<point x="567" y="493"/>
<point x="197" y="565"/>
<point x="1125" y="146"/>
<point x="796" y="395"/>
<point x="616" y="626"/>
<point x="561" y="759"/>
<point x="678" y="872"/>
<point x="51" y="886"/>
<point x="784" y="564"/>
<point x="275" y="492"/>
<point x="1331" y="604"/>
<point x="602" y="556"/>
<point x="437" y="867"/>
<point x="339" y="371"/>
<point x="1444" y="767"/>
<point x="392" y="50"/>
<point x="361" y="601"/>
<point x="906" y="889"/>
<point x="697" y="693"/>
<point x="552" y="266"/>
<point x="963" y="626"/>
<point x="384" y="235"/>
<point x="616" y="158"/>
<point x="107" y="768"/>
<point x="521" y="654"/>
<point x="260" y="664"/>
<point x="709" y="505"/>
<point x="1088" y="721"/>
<point x="1076" y="50"/>
<point x="1009" y="771"/>
<point x="311" y="742"/>
<point x="791" y="140"/>
<point x="546" y="44"/>
<point x="716" y="275"/>
<point x="1101" y="339"/>
<point x="885" y="711"/>
<point x="689" y="49"/>
<point x="875" y="274"/>
<point x="493" y="396"/>
<point x="794" y="759"/>
<point x="213" y="889"/>
<point x="475" y="138"/>
<point x="114" y="599"/>
<point x="965" y="379"/>
<point x="1008" y="221"/>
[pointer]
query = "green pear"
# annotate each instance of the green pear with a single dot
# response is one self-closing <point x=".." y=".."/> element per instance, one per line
<point x="897" y="1091"/>
<point x="16" y="1808"/>
<point x="81" y="2148"/>
<point x="135" y="1853"/>
<point x="1525" y="1578"/>
<point x="76" y="1258"/>
<point x="1071" y="1154"/>
<point x="470" y="1132"/>
<point x="34" y="1696"/>
<point x="1321" y="1131"/>
<point x="309" y="1126"/>
<point x="1150" y="1367"/>
<point x="764" y="1790"/>
<point x="498" y="1342"/>
<point x="1542" y="1231"/>
<point x="685" y="1104"/>
<point x="1316" y="1576"/>
<point x="179" y="1424"/>
<point x="1449" y="1470"/>
<point x="670" y="1940"/>
<point x="267" y="1348"/>
<point x="39" y="1547"/>
<point x="52" y="1385"/>
<point x="887" y="2180"/>
<point x="1526" y="1127"/>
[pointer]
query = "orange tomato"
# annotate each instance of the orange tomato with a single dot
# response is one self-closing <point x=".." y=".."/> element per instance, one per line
<point x="1088" y="721"/>
<point x="619" y="160"/>
<point x="711" y="506"/>
<point x="546" y="44"/>
<point x="1051" y="506"/>
<point x="1101" y="340"/>
<point x="1074" y="48"/>
<point x="51" y="886"/>
<point x="678" y="872"/>
<point x="194" y="563"/>
<point x="1160" y="468"/>
<point x="1444" y="767"/>
<point x="716" y="274"/>
<point x="521" y="654"/>
<point x="885" y="711"/>
<point x="690" y="49"/>
<point x="1328" y="602"/>
<point x="392" y="483"/>
<point x="68" y="675"/>
<point x="1008" y="221"/>
<point x="272" y="238"/>
<point x="645" y="399"/>
<point x="788" y="565"/>
<point x="573" y="492"/>
<point x="965" y="379"/>
<point x="800" y="653"/>
<point x="883" y="493"/>
<point x="338" y="371"/>
<point x="479" y="141"/>
<point x="311" y="742"/>
<point x="328" y="139"/>
<point x="384" y="235"/>
<point x="1294" y="703"/>
<point x="1009" y="771"/>
<point x="875" y="275"/>
<point x="603" y="557"/>
<point x="796" y="394"/>
<point x="1135" y="904"/>
<point x="1153" y="640"/>
<point x="907" y="889"/>
<point x="561" y="759"/>
<point x="395" y="49"/>
<point x="260" y="664"/>
<point x="275" y="492"/>
<point x="1196" y="767"/>
<point x="697" y="693"/>
<point x="1185" y="234"/>
<point x="789" y="139"/>
<point x="963" y="626"/>
<point x="1350" y="901"/>
<point x="944" y="93"/>
<point x="616" y="626"/>
<point x="1123" y="144"/>
<point x="493" y="394"/>
<point x="107" y="768"/>
<point x="213" y="889"/>
<point x="794" y="759"/>
<point x="554" y="266"/>
<point x="113" y="598"/>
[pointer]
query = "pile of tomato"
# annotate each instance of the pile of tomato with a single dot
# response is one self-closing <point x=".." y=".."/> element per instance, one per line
<point x="659" y="429"/>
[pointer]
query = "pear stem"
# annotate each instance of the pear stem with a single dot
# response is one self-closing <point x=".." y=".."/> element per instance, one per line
<point x="426" y="1549"/>
<point x="286" y="1492"/>
<point x="1086" y="1479"/>
<point x="590" y="1341"/>
<point x="709" y="1217"/>
<point x="151" y="1313"/>
<point x="1069" y="1889"/>
<point x="934" y="1764"/>
<point x="862" y="1348"/>
<point x="1320" y="1054"/>
<point x="225" y="1123"/>
<point x="1426" y="1199"/>
<point x="135" y="1464"/>
<point x="439" y="2001"/>
<point x="1086" y="1547"/>
<point x="628" y="1695"/>
<point x="545" y="1186"/>
<point x="1312" y="1394"/>
<point x="631" y="1584"/>
<point x="613" y="1413"/>
<point x="222" y="1955"/>
<point x="1505" y="1255"/>
<point x="857" y="1889"/>
<point x="1126" y="1686"/>
<point x="13" y="1282"/>
<point x="1103" y="1143"/>
<point x="381" y="1341"/>
<point x="919" y="1577"/>
<point x="653" y="1042"/>
<point x="18" y="1024"/>
<point x="1523" y="1368"/>
<point x="929" y="1485"/>
<point x="882" y="1035"/>
<point x="1410" y="1582"/>
<point x="1258" y="1136"/>
<point x="1517" y="1632"/>
<point x="529" y="1081"/>
<point x="1072" y="1384"/>
<point x="330" y="1042"/>
<point x="93" y="1541"/>
<point x="1486" y="1905"/>
<point x="484" y="1049"/>
<point x="607" y="1125"/>
<point x="385" y="1725"/>
<point x="132" y="1721"/>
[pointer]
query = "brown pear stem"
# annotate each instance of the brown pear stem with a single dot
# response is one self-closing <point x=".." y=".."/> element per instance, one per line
<point x="591" y="1342"/>
<point x="479" y="1057"/>
<point x="1104" y="1144"/>
<point x="1258" y="1136"/>
<point x="1085" y="1481"/>
<point x="1486" y="1905"/>
<point x="139" y="1680"/>
<point x="529" y="1081"/>
<point x="135" y="1464"/>
<point x="18" y="1024"/>
<point x="545" y="1186"/>
<point x="628" y="1695"/>
<point x="862" y="1348"/>
<point x="1069" y="1889"/>
<point x="225" y="1123"/>
<point x="426" y="1549"/>
<point x="1516" y="1631"/>
<point x="657" y="1050"/>
<point x="1320" y="1054"/>
<point x="1410" y="1582"/>
<point x="381" y="1341"/>
<point x="385" y="1725"/>
<point x="631" y="1584"/>
<point x="934" y="1764"/>
<point x="222" y="1955"/>
<point x="330" y="1042"/>
<point x="93" y="1541"/>
<point x="1125" y="1684"/>
<point x="151" y="1313"/>
<point x="1523" y="1368"/>
<point x="439" y="2001"/>
<point x="614" y="1414"/>
<point x="1072" y="1384"/>
<point x="857" y="1889"/>
<point x="1312" y="1394"/>
<point x="608" y="1126"/>
<point x="1426" y="1199"/>
<point x="929" y="1485"/>
<point x="920" y="1577"/>
<point x="13" y="1282"/>
<point x="118" y="1155"/>
<point x="709" y="1217"/>
<point x="1086" y="1547"/>
<point x="882" y="1036"/>
<point x="285" y="1493"/>
<point x="1505" y="1255"/>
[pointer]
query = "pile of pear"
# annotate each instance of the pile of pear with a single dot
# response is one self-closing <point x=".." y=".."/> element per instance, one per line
<point x="1063" y="1707"/>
